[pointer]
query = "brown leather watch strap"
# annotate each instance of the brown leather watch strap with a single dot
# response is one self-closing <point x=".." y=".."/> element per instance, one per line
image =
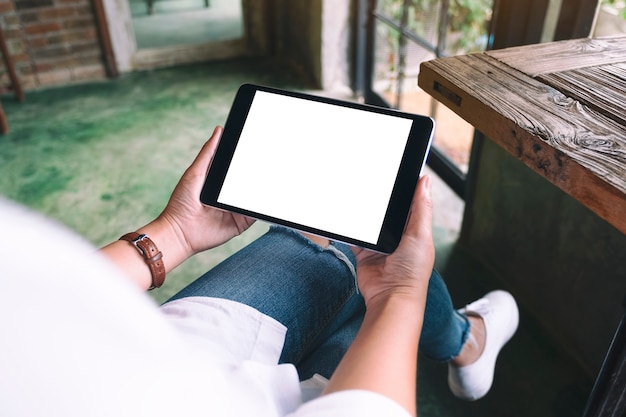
<point x="151" y="255"/>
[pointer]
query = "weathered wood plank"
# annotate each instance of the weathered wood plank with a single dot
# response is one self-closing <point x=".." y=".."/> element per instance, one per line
<point x="575" y="147"/>
<point x="602" y="88"/>
<point x="564" y="55"/>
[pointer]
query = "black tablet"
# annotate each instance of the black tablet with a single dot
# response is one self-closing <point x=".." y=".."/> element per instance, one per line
<point x="340" y="170"/>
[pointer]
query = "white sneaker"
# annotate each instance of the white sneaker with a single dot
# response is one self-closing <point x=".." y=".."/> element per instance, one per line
<point x="501" y="317"/>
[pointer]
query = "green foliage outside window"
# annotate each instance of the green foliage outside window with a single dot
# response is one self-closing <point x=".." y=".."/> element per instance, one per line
<point x="468" y="20"/>
<point x="618" y="5"/>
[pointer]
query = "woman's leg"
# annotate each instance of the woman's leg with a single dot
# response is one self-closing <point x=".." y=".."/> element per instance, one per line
<point x="444" y="333"/>
<point x="309" y="289"/>
<point x="445" y="330"/>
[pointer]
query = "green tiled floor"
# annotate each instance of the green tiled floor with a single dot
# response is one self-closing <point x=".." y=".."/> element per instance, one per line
<point x="102" y="158"/>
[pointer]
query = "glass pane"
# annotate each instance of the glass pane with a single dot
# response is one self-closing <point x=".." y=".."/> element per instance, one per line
<point x="162" y="23"/>
<point x="398" y="59"/>
<point x="611" y="18"/>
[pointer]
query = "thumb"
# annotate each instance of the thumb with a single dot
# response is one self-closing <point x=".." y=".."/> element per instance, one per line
<point x="420" y="219"/>
<point x="201" y="163"/>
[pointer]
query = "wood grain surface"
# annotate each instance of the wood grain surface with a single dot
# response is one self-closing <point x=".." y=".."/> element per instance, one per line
<point x="563" y="55"/>
<point x="574" y="138"/>
<point x="602" y="88"/>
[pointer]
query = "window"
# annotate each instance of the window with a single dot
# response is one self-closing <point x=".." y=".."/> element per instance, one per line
<point x="403" y="33"/>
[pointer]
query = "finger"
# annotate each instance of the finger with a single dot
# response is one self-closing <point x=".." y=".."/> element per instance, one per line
<point x="359" y="253"/>
<point x="201" y="164"/>
<point x="421" y="214"/>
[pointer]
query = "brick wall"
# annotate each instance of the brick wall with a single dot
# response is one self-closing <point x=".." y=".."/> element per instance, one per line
<point x="52" y="42"/>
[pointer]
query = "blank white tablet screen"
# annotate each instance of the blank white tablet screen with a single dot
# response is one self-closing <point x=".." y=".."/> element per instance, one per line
<point x="323" y="166"/>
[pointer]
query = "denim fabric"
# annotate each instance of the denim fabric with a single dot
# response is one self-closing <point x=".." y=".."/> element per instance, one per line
<point x="312" y="291"/>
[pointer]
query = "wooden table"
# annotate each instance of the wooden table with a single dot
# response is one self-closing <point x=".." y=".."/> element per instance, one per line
<point x="560" y="108"/>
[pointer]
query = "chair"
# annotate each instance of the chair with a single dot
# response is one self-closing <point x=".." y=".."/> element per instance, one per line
<point x="15" y="82"/>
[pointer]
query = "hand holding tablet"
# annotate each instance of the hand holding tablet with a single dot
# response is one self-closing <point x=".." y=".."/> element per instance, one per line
<point x="341" y="170"/>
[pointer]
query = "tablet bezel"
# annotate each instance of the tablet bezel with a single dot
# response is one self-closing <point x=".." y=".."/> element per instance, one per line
<point x="413" y="159"/>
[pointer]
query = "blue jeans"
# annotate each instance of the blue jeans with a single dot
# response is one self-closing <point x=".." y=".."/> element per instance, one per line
<point x="312" y="291"/>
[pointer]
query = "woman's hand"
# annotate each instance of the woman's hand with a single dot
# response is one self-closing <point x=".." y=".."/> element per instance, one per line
<point x="383" y="356"/>
<point x="185" y="227"/>
<point x="406" y="271"/>
<point x="199" y="227"/>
